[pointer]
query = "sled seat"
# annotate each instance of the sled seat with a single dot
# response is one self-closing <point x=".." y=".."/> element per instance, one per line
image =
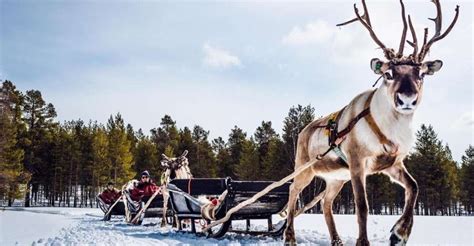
<point x="187" y="196"/>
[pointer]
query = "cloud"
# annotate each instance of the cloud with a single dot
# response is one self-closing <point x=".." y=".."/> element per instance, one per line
<point x="219" y="58"/>
<point x="337" y="42"/>
<point x="465" y="120"/>
<point x="314" y="32"/>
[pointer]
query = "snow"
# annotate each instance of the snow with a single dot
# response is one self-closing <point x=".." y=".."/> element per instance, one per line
<point x="83" y="226"/>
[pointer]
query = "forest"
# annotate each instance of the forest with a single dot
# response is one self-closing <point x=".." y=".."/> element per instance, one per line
<point x="44" y="162"/>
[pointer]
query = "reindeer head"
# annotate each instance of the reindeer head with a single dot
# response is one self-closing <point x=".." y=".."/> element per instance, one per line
<point x="175" y="163"/>
<point x="403" y="75"/>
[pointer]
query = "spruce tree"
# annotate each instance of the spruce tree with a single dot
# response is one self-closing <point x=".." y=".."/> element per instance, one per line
<point x="235" y="145"/>
<point x="204" y="163"/>
<point x="223" y="158"/>
<point x="166" y="137"/>
<point x="12" y="177"/>
<point x="119" y="152"/>
<point x="247" y="168"/>
<point x="146" y="157"/>
<point x="263" y="136"/>
<point x="298" y="117"/>
<point x="39" y="117"/>
<point x="432" y="166"/>
<point x="467" y="180"/>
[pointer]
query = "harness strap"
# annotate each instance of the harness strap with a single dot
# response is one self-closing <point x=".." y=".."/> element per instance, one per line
<point x="353" y="122"/>
<point x="370" y="120"/>
<point x="373" y="125"/>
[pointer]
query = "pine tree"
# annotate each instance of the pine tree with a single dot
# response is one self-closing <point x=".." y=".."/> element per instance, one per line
<point x="146" y="157"/>
<point x="166" y="136"/>
<point x="39" y="117"/>
<point x="119" y="150"/>
<point x="132" y="138"/>
<point x="274" y="160"/>
<point x="223" y="158"/>
<point x="247" y="168"/>
<point x="467" y="180"/>
<point x="100" y="156"/>
<point x="263" y="136"/>
<point x="235" y="145"/>
<point x="433" y="168"/>
<point x="204" y="163"/>
<point x="298" y="117"/>
<point x="12" y="176"/>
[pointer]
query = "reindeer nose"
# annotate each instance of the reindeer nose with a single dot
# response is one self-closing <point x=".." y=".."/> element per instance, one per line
<point x="406" y="101"/>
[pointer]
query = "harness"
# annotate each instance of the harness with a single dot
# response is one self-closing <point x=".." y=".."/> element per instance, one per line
<point x="335" y="138"/>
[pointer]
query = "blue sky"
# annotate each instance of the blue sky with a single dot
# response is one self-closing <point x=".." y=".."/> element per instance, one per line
<point x="220" y="64"/>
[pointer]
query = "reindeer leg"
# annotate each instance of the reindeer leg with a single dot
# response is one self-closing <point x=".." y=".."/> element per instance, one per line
<point x="299" y="182"/>
<point x="360" y="198"/>
<point x="166" y="196"/>
<point x="402" y="228"/>
<point x="332" y="189"/>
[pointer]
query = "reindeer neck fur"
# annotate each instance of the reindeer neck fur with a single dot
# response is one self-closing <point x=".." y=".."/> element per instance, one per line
<point x="182" y="173"/>
<point x="397" y="127"/>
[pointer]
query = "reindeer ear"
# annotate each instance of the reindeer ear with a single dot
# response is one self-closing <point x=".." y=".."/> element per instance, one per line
<point x="430" y="67"/>
<point x="184" y="153"/>
<point x="378" y="66"/>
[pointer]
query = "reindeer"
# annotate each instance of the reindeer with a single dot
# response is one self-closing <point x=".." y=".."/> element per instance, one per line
<point x="175" y="168"/>
<point x="372" y="134"/>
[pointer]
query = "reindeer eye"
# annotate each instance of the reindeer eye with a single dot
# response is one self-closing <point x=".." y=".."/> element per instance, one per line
<point x="388" y="75"/>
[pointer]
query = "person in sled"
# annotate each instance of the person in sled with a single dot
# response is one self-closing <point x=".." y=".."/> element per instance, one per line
<point x="109" y="196"/>
<point x="140" y="192"/>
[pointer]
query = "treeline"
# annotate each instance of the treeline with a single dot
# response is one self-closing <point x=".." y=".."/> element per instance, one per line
<point x="44" y="162"/>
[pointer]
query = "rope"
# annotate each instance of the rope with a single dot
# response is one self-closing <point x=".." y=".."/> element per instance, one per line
<point x="260" y="194"/>
<point x="311" y="204"/>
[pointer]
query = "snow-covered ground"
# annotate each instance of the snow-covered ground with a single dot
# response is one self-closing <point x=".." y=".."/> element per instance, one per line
<point x="72" y="226"/>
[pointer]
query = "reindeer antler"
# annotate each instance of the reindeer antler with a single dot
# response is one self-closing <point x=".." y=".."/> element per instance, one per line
<point x="437" y="36"/>
<point x="404" y="32"/>
<point x="413" y="43"/>
<point x="365" y="20"/>
<point x="165" y="157"/>
<point x="389" y="53"/>
<point x="184" y="154"/>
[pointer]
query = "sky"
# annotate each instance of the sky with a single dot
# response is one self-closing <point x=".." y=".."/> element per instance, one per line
<point x="218" y="64"/>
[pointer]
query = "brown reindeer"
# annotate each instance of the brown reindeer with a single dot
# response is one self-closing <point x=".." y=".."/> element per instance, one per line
<point x="372" y="134"/>
<point x="175" y="168"/>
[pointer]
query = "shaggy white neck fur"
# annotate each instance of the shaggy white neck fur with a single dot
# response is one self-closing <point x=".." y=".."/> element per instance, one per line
<point x="183" y="173"/>
<point x="396" y="127"/>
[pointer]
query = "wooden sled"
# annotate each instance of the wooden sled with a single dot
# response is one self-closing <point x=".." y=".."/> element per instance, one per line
<point x="155" y="209"/>
<point x="117" y="210"/>
<point x="186" y="205"/>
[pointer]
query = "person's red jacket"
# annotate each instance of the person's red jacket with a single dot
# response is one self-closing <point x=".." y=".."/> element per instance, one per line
<point x="143" y="190"/>
<point x="110" y="196"/>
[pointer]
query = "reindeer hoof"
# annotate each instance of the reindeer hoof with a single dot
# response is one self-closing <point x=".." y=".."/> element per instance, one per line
<point x="362" y="242"/>
<point x="337" y="242"/>
<point x="396" y="239"/>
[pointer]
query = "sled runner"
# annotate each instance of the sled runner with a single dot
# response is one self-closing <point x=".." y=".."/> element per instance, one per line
<point x="187" y="203"/>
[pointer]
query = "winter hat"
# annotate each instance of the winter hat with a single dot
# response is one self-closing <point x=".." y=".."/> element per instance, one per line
<point x="110" y="183"/>
<point x="146" y="173"/>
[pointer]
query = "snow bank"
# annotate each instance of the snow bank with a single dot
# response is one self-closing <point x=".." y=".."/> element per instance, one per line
<point x="69" y="226"/>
